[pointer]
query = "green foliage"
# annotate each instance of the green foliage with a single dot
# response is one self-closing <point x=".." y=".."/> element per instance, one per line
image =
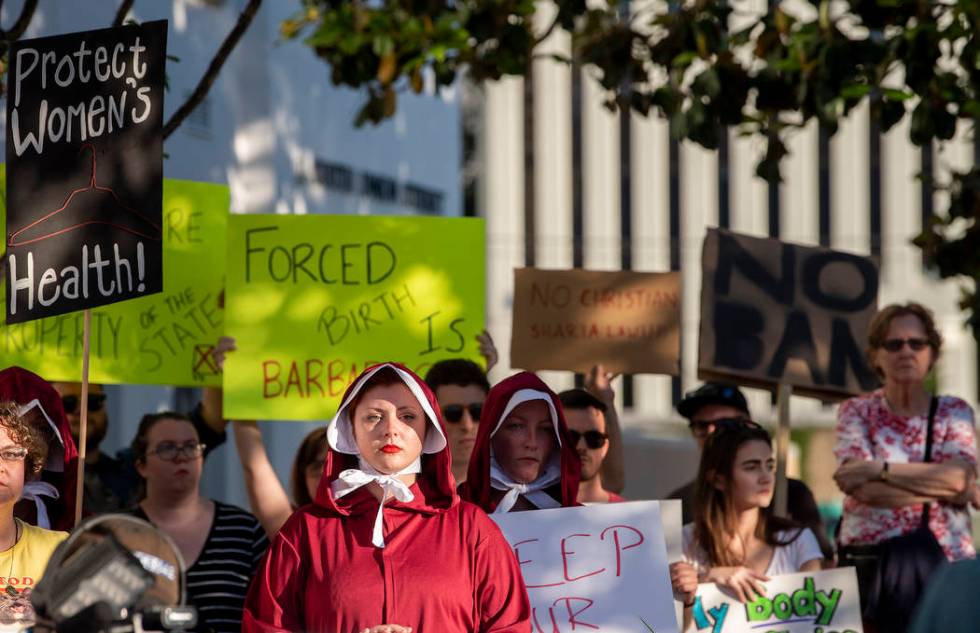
<point x="951" y="241"/>
<point x="684" y="61"/>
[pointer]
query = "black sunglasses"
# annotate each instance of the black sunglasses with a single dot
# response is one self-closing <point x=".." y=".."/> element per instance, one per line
<point x="593" y="438"/>
<point x="453" y="413"/>
<point x="896" y="344"/>
<point x="95" y="402"/>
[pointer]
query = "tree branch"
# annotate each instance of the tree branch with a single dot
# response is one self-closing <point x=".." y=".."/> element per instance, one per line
<point x="26" y="14"/>
<point x="547" y="34"/>
<point x="201" y="91"/>
<point x="122" y="12"/>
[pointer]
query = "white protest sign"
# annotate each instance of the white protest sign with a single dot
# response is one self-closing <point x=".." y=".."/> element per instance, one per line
<point x="601" y="567"/>
<point x="810" y="602"/>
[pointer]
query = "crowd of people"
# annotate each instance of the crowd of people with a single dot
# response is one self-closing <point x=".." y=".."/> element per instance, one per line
<point x="383" y="524"/>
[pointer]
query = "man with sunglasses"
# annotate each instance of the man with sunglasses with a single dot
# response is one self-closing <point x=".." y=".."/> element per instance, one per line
<point x="460" y="386"/>
<point x="111" y="483"/>
<point x="716" y="401"/>
<point x="585" y="416"/>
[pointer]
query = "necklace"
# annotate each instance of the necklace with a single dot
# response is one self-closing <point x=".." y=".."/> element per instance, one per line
<point x="10" y="589"/>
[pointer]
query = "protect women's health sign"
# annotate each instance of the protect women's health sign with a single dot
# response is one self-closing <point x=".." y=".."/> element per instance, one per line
<point x="84" y="170"/>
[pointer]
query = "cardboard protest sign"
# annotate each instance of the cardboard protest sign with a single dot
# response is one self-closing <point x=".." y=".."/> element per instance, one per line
<point x="572" y="319"/>
<point x="314" y="299"/>
<point x="813" y="602"/>
<point x="773" y="312"/>
<point x="85" y="170"/>
<point x="601" y="567"/>
<point x="165" y="338"/>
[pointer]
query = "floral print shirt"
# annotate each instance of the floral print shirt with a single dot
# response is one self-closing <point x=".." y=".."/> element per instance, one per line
<point x="868" y="430"/>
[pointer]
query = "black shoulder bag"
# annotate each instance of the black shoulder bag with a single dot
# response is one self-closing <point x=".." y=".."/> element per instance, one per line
<point x="903" y="566"/>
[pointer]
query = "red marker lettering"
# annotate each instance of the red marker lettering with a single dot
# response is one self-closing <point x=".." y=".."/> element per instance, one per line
<point x="565" y="553"/>
<point x="619" y="548"/>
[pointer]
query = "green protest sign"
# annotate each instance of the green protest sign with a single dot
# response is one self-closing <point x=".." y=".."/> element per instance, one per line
<point x="161" y="339"/>
<point x="313" y="299"/>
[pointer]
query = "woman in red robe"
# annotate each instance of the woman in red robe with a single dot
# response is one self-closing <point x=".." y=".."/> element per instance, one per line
<point x="523" y="458"/>
<point x="387" y="544"/>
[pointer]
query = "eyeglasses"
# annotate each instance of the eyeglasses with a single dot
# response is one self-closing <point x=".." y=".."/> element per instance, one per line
<point x="168" y="451"/>
<point x="453" y="413"/>
<point x="13" y="454"/>
<point x="593" y="438"/>
<point x="95" y="402"/>
<point x="896" y="344"/>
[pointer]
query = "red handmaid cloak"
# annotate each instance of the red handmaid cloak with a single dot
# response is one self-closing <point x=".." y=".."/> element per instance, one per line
<point x="445" y="566"/>
<point x="476" y="488"/>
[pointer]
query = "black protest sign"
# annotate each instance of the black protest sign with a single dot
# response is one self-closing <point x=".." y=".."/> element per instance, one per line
<point x="773" y="313"/>
<point x="84" y="170"/>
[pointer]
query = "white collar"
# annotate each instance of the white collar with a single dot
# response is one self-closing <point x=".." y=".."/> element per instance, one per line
<point x="353" y="478"/>
<point x="533" y="492"/>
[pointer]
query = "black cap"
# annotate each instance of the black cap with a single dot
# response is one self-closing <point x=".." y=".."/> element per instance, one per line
<point x="712" y="393"/>
<point x="580" y="399"/>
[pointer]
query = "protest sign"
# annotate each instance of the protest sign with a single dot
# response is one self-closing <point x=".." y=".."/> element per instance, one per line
<point x="314" y="299"/>
<point x="812" y="602"/>
<point x="165" y="338"/>
<point x="85" y="170"/>
<point x="601" y="567"/>
<point x="573" y="319"/>
<point x="777" y="313"/>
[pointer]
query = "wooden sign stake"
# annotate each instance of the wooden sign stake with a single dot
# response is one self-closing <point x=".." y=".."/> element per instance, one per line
<point x="784" y="393"/>
<point x="83" y="426"/>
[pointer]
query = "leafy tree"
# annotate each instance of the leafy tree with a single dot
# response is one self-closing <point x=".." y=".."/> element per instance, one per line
<point x="684" y="60"/>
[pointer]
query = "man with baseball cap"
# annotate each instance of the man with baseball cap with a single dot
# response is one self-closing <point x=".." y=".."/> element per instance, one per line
<point x="715" y="401"/>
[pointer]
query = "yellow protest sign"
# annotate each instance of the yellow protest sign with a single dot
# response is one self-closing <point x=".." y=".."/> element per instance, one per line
<point x="313" y="299"/>
<point x="161" y="339"/>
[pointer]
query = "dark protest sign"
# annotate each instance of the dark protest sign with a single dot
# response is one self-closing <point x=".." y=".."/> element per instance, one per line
<point x="84" y="170"/>
<point x="773" y="312"/>
<point x="572" y="319"/>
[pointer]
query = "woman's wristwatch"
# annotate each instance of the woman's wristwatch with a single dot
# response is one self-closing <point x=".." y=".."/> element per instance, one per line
<point x="883" y="475"/>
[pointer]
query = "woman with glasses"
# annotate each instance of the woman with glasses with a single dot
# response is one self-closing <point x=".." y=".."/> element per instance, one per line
<point x="735" y="541"/>
<point x="892" y="488"/>
<point x="221" y="544"/>
<point x="24" y="548"/>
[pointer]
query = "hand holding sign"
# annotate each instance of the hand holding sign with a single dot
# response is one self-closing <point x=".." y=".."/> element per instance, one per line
<point x="822" y="601"/>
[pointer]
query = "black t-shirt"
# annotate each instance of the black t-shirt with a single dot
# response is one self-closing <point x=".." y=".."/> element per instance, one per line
<point x="800" y="504"/>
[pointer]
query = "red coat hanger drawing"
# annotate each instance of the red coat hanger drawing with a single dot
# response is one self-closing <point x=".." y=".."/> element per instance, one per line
<point x="66" y="219"/>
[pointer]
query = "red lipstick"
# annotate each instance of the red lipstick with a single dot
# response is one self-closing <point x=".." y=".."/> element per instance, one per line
<point x="390" y="448"/>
